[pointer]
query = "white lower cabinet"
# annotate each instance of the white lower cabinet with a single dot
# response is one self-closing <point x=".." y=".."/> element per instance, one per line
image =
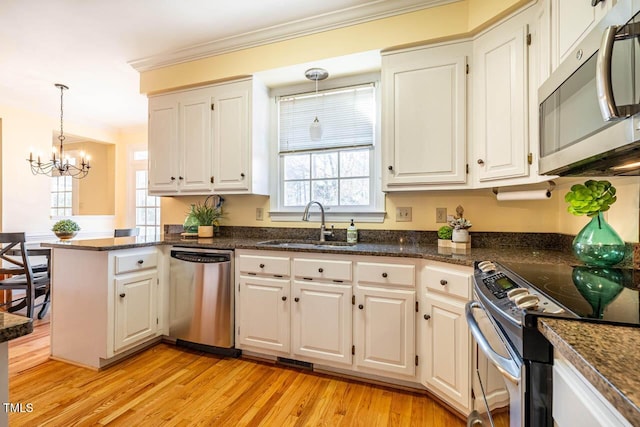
<point x="385" y="330"/>
<point x="321" y="321"/>
<point x="264" y="318"/>
<point x="446" y="341"/>
<point x="107" y="303"/>
<point x="135" y="308"/>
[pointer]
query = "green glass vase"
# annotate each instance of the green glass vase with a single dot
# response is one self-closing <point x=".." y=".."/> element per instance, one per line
<point x="191" y="223"/>
<point x="598" y="244"/>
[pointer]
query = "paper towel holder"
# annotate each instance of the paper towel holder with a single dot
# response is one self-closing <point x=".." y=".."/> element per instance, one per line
<point x="550" y="188"/>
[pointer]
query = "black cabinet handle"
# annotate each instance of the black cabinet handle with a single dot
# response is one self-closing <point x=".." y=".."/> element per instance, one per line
<point x="320" y="270"/>
<point x="361" y="306"/>
<point x="284" y="298"/>
<point x="594" y="3"/>
<point x="261" y="265"/>
<point x="122" y="295"/>
<point x="296" y="299"/>
<point x="384" y="275"/>
<point x="443" y="282"/>
<point x="390" y="168"/>
<point x="427" y="317"/>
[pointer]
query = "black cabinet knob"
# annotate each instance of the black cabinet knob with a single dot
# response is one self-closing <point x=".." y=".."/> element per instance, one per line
<point x="296" y="299"/>
<point x="480" y="162"/>
<point x="242" y="175"/>
<point x="427" y="317"/>
<point x="140" y="261"/>
<point x="180" y="178"/>
<point x="173" y="178"/>
<point x="122" y="295"/>
<point x="261" y="265"/>
<point x="443" y="282"/>
<point x="284" y="298"/>
<point x="320" y="270"/>
<point x="390" y="168"/>
<point x="384" y="275"/>
<point x="361" y="306"/>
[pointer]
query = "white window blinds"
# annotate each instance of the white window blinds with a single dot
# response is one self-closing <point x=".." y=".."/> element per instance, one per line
<point x="347" y="117"/>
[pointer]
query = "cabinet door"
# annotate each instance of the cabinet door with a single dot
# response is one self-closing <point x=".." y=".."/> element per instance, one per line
<point x="163" y="144"/>
<point x="231" y="137"/>
<point x="500" y="110"/>
<point x="385" y="323"/>
<point x="321" y="321"/>
<point x="446" y="347"/>
<point x="135" y="308"/>
<point x="264" y="313"/>
<point x="195" y="141"/>
<point x="572" y="21"/>
<point x="424" y="118"/>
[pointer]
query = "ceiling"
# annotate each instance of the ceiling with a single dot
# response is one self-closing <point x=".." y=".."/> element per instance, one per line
<point x="93" y="45"/>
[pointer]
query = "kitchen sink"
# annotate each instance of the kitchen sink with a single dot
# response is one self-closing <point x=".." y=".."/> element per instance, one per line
<point x="289" y="243"/>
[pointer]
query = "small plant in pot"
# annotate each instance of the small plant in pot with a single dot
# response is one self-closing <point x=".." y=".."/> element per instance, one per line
<point x="207" y="217"/>
<point x="460" y="231"/>
<point x="65" y="229"/>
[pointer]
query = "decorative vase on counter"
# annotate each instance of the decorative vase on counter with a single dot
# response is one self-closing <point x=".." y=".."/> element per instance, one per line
<point x="460" y="235"/>
<point x="205" y="231"/>
<point x="598" y="243"/>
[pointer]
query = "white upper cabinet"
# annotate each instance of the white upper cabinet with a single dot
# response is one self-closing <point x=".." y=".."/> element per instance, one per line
<point x="424" y="117"/>
<point x="209" y="139"/>
<point x="571" y="22"/>
<point x="500" y="110"/>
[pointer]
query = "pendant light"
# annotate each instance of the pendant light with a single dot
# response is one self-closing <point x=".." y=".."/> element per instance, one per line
<point x="315" y="130"/>
<point x="59" y="166"/>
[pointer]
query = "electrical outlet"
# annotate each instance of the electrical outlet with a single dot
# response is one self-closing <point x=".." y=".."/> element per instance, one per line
<point x="403" y="214"/>
<point x="441" y="214"/>
<point x="259" y="214"/>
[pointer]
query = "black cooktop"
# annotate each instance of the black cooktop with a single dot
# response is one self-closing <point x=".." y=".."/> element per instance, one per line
<point x="602" y="293"/>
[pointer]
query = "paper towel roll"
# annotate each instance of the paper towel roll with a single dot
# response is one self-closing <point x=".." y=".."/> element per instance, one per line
<point x="524" y="195"/>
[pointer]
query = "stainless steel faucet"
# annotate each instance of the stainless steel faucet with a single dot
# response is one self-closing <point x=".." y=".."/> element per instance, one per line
<point x="305" y="217"/>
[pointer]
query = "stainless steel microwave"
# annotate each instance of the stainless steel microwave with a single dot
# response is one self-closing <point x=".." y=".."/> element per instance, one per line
<point x="590" y="105"/>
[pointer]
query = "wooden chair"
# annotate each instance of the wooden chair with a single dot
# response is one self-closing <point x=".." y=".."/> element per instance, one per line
<point x="22" y="276"/>
<point x="123" y="232"/>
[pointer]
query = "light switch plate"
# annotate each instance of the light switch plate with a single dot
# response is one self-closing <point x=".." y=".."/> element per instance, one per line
<point x="441" y="214"/>
<point x="403" y="214"/>
<point x="259" y="214"/>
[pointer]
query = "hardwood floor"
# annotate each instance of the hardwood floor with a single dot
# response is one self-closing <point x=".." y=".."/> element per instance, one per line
<point x="165" y="385"/>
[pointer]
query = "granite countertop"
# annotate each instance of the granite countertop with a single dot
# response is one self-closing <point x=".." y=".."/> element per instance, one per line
<point x="606" y="355"/>
<point x="399" y="248"/>
<point x="14" y="326"/>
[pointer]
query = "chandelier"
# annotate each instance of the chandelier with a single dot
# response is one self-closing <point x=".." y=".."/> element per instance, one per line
<point x="59" y="165"/>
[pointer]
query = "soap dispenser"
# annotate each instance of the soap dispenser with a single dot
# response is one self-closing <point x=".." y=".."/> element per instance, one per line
<point x="352" y="233"/>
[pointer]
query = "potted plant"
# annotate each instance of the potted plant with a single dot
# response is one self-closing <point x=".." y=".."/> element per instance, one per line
<point x="460" y="232"/>
<point x="444" y="236"/>
<point x="65" y="229"/>
<point x="207" y="217"/>
<point x="597" y="243"/>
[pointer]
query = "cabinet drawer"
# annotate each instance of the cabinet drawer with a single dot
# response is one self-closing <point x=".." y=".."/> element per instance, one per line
<point x="125" y="263"/>
<point x="264" y="265"/>
<point x="387" y="274"/>
<point x="448" y="281"/>
<point x="322" y="269"/>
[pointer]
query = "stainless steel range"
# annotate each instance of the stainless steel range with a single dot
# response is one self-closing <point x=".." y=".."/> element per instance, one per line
<point x="503" y="320"/>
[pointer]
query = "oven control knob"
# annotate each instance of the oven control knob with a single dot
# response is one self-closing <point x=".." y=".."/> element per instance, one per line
<point x="486" y="266"/>
<point x="527" y="301"/>
<point x="513" y="294"/>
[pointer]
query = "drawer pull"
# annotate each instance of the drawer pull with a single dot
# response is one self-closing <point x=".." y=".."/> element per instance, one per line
<point x="122" y="295"/>
<point x="140" y="261"/>
<point x="384" y="275"/>
<point x="296" y="299"/>
<point x="261" y="265"/>
<point x="443" y="282"/>
<point x="284" y="298"/>
<point x="427" y="317"/>
<point x="320" y="270"/>
<point x="361" y="306"/>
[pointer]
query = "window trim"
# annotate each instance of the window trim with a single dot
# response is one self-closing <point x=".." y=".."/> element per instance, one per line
<point x="375" y="212"/>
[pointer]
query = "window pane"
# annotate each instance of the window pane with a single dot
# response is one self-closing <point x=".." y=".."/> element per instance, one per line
<point x="140" y="216"/>
<point x="354" y="192"/>
<point x="325" y="165"/>
<point x="296" y="166"/>
<point x="140" y="155"/>
<point x="354" y="163"/>
<point x="296" y="193"/>
<point x="68" y="184"/>
<point x="67" y="200"/>
<point x="151" y="216"/>
<point x="141" y="197"/>
<point x="325" y="192"/>
<point x="141" y="179"/>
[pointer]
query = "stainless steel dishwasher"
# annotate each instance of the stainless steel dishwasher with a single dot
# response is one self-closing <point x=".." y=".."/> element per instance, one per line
<point x="201" y="314"/>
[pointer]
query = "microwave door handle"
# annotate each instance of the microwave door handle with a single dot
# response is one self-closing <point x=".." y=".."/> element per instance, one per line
<point x="507" y="367"/>
<point x="604" y="87"/>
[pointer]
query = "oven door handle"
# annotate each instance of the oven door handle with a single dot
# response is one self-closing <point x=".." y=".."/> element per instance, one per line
<point x="507" y="367"/>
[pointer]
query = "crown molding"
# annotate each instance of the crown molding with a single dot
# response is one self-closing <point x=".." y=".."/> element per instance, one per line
<point x="315" y="24"/>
